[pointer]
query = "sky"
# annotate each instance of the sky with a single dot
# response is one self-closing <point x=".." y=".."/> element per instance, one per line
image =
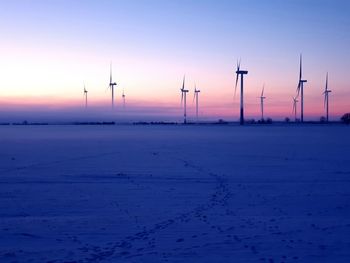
<point x="50" y="49"/>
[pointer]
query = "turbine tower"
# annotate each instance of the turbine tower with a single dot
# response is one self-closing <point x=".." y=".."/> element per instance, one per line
<point x="195" y="97"/>
<point x="325" y="93"/>
<point x="295" y="102"/>
<point x="183" y="99"/>
<point x="241" y="73"/>
<point x="262" y="103"/>
<point x="85" y="95"/>
<point x="300" y="89"/>
<point x="123" y="97"/>
<point x="111" y="85"/>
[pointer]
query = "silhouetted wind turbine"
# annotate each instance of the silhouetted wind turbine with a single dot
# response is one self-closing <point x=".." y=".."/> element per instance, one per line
<point x="195" y="96"/>
<point x="326" y="91"/>
<point x="262" y="103"/>
<point x="300" y="89"/>
<point x="123" y="97"/>
<point x="111" y="85"/>
<point x="85" y="95"/>
<point x="183" y="99"/>
<point x="295" y="102"/>
<point x="241" y="73"/>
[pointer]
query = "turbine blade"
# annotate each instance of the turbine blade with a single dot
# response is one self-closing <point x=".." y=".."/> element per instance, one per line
<point x="294" y="104"/>
<point x="194" y="93"/>
<point x="237" y="75"/>
<point x="262" y="92"/>
<point x="236" y="84"/>
<point x="110" y="73"/>
<point x="298" y="89"/>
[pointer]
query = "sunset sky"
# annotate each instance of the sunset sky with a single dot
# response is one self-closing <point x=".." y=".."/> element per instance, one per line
<point x="48" y="49"/>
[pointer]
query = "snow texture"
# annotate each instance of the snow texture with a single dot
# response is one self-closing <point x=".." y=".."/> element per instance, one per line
<point x="175" y="193"/>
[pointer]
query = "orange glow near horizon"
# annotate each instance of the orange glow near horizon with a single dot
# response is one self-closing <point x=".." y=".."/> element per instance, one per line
<point x="209" y="108"/>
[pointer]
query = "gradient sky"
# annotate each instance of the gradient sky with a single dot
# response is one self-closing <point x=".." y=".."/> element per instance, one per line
<point x="49" y="48"/>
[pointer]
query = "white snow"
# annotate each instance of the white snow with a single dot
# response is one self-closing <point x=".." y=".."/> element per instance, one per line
<point x="175" y="193"/>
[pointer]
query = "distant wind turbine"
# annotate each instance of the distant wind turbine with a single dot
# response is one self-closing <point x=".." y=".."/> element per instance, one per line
<point x="195" y="96"/>
<point x="85" y="95"/>
<point x="241" y="73"/>
<point x="111" y="84"/>
<point x="262" y="103"/>
<point x="295" y="102"/>
<point x="325" y="93"/>
<point x="300" y="89"/>
<point x="123" y="97"/>
<point x="183" y="99"/>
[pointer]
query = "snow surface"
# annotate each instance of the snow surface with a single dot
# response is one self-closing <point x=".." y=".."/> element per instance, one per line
<point x="175" y="193"/>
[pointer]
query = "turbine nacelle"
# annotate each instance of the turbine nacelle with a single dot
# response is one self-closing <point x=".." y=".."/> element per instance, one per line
<point x="241" y="72"/>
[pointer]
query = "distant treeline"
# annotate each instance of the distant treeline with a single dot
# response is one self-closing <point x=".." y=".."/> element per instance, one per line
<point x="63" y="123"/>
<point x="345" y="119"/>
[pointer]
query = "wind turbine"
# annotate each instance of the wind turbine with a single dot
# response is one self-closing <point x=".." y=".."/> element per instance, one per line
<point x="183" y="98"/>
<point x="111" y="84"/>
<point x="195" y="96"/>
<point x="326" y="91"/>
<point x="123" y="97"/>
<point x="300" y="89"/>
<point x="262" y="103"/>
<point x="241" y="73"/>
<point x="295" y="102"/>
<point x="85" y="95"/>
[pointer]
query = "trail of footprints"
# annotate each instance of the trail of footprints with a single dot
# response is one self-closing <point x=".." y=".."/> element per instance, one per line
<point x="143" y="243"/>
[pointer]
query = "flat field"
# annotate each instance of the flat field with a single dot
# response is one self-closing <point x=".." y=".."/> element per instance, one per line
<point x="127" y="193"/>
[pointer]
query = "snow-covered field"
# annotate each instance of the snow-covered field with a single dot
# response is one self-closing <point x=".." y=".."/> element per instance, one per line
<point x="175" y="193"/>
